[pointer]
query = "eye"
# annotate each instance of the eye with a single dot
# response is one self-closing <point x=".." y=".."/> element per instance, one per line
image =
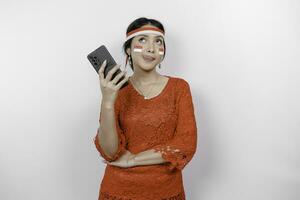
<point x="142" y="38"/>
<point x="160" y="41"/>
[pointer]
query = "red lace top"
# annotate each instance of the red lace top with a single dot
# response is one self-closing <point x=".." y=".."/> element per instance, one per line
<point x="165" y="123"/>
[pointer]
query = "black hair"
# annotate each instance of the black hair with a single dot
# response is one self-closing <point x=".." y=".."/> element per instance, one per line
<point x="137" y="24"/>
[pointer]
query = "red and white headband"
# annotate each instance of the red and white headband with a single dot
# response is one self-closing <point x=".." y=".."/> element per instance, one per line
<point x="144" y="30"/>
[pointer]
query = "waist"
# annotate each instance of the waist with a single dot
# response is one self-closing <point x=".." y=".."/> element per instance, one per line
<point x="147" y="178"/>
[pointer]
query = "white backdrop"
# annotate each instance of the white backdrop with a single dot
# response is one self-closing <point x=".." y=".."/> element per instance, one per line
<point x="241" y="58"/>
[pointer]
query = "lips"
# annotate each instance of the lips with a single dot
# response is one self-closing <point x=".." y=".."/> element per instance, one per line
<point x="148" y="58"/>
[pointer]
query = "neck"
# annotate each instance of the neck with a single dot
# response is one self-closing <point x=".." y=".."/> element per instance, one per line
<point x="145" y="77"/>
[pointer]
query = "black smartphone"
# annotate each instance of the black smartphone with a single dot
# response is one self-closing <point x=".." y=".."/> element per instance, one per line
<point x="98" y="56"/>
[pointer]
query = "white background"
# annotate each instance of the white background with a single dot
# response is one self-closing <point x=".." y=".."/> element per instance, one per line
<point x="241" y="59"/>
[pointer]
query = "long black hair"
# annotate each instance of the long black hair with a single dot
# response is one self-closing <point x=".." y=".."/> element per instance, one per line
<point x="137" y="24"/>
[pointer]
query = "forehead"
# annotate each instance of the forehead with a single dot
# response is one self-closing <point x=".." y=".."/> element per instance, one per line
<point x="149" y="35"/>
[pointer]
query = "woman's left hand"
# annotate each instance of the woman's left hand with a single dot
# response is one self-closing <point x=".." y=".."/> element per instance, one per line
<point x="125" y="160"/>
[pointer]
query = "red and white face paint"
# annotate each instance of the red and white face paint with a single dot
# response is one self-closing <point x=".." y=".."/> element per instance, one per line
<point x="137" y="48"/>
<point x="161" y="51"/>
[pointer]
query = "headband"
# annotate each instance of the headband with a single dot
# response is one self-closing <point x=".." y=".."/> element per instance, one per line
<point x="144" y="30"/>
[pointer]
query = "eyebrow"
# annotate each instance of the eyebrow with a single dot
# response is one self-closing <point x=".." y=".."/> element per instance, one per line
<point x="155" y="36"/>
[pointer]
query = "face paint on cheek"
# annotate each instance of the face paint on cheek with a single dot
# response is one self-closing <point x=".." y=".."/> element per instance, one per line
<point x="161" y="51"/>
<point x="137" y="48"/>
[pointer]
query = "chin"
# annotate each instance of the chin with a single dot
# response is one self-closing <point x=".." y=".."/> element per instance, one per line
<point x="147" y="66"/>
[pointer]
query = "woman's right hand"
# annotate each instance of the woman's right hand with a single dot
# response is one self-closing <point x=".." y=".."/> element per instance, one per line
<point x="109" y="88"/>
<point x="125" y="160"/>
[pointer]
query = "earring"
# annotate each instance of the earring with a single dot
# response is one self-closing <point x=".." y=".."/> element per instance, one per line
<point x="128" y="57"/>
<point x="159" y="66"/>
<point x="126" y="62"/>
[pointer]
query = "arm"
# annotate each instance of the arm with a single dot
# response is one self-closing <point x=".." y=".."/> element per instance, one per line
<point x="110" y="138"/>
<point x="181" y="148"/>
<point x="148" y="157"/>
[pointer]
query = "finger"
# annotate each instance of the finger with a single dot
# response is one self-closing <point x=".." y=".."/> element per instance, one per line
<point x="118" y="77"/>
<point x="113" y="163"/>
<point x="101" y="69"/>
<point x="101" y="75"/>
<point x="119" y="85"/>
<point x="118" y="164"/>
<point x="111" y="72"/>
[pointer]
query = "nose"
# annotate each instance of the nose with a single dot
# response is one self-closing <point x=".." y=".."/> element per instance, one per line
<point x="150" y="47"/>
<point x="151" y="50"/>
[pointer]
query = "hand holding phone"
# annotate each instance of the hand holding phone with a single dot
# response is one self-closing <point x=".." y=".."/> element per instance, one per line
<point x="110" y="86"/>
<point x="97" y="58"/>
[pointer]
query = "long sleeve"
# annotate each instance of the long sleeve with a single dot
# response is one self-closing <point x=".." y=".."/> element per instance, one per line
<point x="121" y="136"/>
<point x="179" y="150"/>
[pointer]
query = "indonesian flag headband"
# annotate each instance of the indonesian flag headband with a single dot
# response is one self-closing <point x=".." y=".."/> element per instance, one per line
<point x="145" y="30"/>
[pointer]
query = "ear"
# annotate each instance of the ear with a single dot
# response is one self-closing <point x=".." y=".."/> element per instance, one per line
<point x="128" y="51"/>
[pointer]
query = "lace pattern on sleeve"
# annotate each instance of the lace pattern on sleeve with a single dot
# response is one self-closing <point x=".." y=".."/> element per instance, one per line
<point x="174" y="156"/>
<point x="120" y="151"/>
<point x="180" y="149"/>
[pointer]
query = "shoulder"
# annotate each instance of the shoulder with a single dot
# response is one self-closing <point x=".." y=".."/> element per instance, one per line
<point x="124" y="90"/>
<point x="180" y="87"/>
<point x="123" y="94"/>
<point x="180" y="83"/>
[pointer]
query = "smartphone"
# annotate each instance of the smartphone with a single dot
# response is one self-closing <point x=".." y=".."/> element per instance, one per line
<point x="98" y="56"/>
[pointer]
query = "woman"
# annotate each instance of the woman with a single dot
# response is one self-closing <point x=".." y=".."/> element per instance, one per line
<point x="147" y="132"/>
